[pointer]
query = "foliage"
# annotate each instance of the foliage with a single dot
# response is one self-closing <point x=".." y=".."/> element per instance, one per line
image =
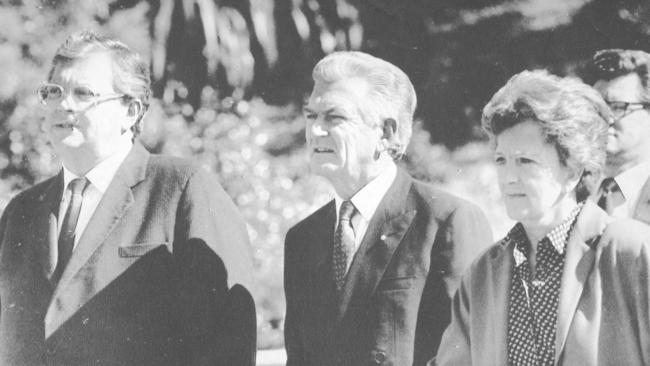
<point x="255" y="151"/>
<point x="219" y="65"/>
<point x="259" y="155"/>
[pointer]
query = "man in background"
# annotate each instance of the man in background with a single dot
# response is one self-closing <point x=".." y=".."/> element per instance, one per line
<point x="621" y="76"/>
<point x="369" y="276"/>
<point x="124" y="257"/>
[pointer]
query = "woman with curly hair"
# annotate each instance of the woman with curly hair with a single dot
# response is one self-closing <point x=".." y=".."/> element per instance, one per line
<point x="568" y="285"/>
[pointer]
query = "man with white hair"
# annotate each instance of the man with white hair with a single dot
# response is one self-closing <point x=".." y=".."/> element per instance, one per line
<point x="369" y="276"/>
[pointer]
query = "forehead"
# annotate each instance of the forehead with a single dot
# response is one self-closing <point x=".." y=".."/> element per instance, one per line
<point x="525" y="138"/>
<point x="95" y="69"/>
<point x="625" y="88"/>
<point x="339" y="94"/>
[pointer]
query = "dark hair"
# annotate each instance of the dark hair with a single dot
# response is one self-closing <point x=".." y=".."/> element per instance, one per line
<point x="573" y="117"/>
<point x="130" y="71"/>
<point x="610" y="64"/>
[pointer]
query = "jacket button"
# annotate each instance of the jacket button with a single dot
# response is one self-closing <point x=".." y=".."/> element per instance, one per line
<point x="379" y="357"/>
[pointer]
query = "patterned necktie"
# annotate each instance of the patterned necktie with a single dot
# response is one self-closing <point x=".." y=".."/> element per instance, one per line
<point x="67" y="234"/>
<point x="610" y="195"/>
<point x="343" y="243"/>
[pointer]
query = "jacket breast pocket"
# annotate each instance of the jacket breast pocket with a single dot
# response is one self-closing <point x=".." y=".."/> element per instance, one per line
<point x="137" y="250"/>
<point x="396" y="283"/>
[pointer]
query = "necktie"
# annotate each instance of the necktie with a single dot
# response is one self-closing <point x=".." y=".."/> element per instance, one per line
<point x="610" y="195"/>
<point x="67" y="234"/>
<point x="343" y="243"/>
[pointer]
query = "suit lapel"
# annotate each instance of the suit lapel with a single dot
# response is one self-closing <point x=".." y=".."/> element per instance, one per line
<point x="113" y="205"/>
<point x="45" y="225"/>
<point x="322" y="235"/>
<point x="322" y="292"/>
<point x="502" y="274"/>
<point x="578" y="264"/>
<point x="384" y="234"/>
<point x="642" y="209"/>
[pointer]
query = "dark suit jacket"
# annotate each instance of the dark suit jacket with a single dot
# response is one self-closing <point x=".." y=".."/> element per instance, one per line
<point x="396" y="298"/>
<point x="145" y="281"/>
<point x="603" y="310"/>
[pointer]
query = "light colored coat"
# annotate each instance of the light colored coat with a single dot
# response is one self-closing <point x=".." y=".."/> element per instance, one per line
<point x="603" y="314"/>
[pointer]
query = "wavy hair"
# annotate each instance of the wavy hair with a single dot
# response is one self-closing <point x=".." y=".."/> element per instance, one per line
<point x="612" y="63"/>
<point x="393" y="94"/>
<point x="572" y="115"/>
<point x="130" y="71"/>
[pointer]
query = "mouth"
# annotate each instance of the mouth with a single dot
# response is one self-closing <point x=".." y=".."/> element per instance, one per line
<point x="65" y="125"/>
<point x="515" y="195"/>
<point x="322" y="150"/>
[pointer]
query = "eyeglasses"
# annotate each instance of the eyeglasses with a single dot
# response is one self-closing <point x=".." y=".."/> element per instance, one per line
<point x="52" y="95"/>
<point x="622" y="109"/>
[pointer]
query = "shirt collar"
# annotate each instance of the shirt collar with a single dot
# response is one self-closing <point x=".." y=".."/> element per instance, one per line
<point x="367" y="199"/>
<point x="632" y="180"/>
<point x="101" y="175"/>
<point x="558" y="236"/>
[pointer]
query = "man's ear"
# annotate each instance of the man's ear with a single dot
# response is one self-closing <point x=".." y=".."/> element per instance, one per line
<point x="388" y="134"/>
<point x="133" y="114"/>
<point x="389" y="129"/>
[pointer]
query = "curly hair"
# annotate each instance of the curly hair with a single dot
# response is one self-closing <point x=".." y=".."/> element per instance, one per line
<point x="572" y="115"/>
<point x="393" y="94"/>
<point x="130" y="71"/>
<point x="612" y="63"/>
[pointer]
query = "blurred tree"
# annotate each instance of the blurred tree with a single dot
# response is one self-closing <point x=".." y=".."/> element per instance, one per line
<point x="212" y="60"/>
<point x="456" y="52"/>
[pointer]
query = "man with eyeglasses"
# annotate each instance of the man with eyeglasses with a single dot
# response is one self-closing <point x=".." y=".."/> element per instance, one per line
<point x="124" y="257"/>
<point x="621" y="76"/>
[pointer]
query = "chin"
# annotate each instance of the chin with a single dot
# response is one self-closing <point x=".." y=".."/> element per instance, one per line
<point x="72" y="143"/>
<point x="327" y="171"/>
<point x="69" y="142"/>
<point x="518" y="213"/>
<point x="612" y="145"/>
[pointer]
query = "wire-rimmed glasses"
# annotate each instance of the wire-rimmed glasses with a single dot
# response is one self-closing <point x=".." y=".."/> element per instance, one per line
<point x="52" y="95"/>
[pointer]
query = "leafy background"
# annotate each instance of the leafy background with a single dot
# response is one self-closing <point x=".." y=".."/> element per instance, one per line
<point x="230" y="77"/>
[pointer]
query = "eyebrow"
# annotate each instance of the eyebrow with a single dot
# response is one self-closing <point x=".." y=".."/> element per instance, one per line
<point x="330" y="110"/>
<point x="306" y="109"/>
<point x="518" y="154"/>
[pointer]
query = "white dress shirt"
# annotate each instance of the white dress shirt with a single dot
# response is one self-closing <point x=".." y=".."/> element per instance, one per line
<point x="630" y="182"/>
<point x="99" y="178"/>
<point x="366" y="201"/>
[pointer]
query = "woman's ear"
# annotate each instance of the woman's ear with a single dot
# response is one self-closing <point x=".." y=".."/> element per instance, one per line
<point x="573" y="178"/>
<point x="135" y="108"/>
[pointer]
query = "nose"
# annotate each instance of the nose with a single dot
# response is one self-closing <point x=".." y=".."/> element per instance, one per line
<point x="613" y="122"/>
<point x="316" y="127"/>
<point x="66" y="103"/>
<point x="508" y="173"/>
